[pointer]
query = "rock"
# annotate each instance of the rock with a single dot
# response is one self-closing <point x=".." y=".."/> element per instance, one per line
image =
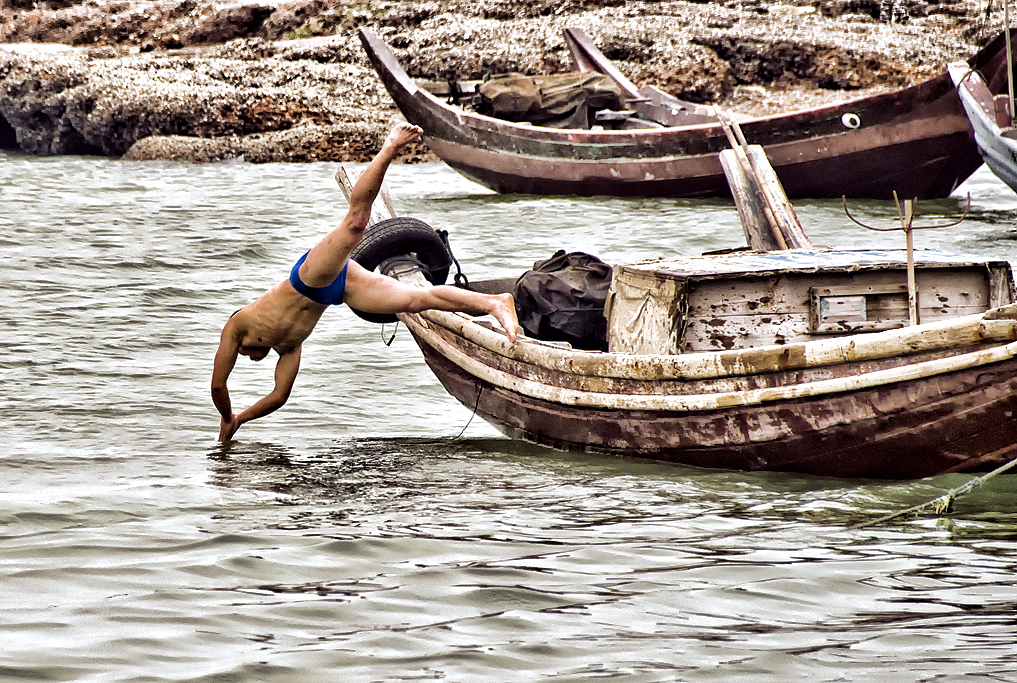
<point x="265" y="80"/>
<point x="222" y="24"/>
<point x="309" y="142"/>
<point x="66" y="101"/>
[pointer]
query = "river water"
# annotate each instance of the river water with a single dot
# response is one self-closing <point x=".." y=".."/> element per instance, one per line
<point x="371" y="530"/>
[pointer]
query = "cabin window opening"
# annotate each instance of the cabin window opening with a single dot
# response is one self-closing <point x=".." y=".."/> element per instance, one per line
<point x="838" y="310"/>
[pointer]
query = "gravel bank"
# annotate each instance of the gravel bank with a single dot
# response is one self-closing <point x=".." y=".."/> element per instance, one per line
<point x="287" y="81"/>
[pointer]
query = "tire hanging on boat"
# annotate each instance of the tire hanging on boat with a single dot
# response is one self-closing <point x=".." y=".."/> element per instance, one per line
<point x="401" y="236"/>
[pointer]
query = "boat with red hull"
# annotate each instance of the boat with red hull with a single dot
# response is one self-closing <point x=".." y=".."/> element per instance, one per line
<point x="916" y="141"/>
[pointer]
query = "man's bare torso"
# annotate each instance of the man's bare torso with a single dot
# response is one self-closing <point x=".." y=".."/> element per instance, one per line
<point x="280" y="319"/>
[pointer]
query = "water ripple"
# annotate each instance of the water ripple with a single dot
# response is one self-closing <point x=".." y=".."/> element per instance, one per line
<point x="353" y="535"/>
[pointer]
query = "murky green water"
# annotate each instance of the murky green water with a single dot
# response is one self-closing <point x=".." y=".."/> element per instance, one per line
<point x="370" y="530"/>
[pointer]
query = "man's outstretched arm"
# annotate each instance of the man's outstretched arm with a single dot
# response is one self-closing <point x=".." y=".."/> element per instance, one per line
<point x="286" y="370"/>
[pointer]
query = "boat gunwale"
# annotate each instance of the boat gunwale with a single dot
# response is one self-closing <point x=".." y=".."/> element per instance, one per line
<point x="695" y="402"/>
<point x="962" y="331"/>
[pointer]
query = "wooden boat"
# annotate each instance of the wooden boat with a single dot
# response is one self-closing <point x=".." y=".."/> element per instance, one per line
<point x="992" y="118"/>
<point x="916" y="141"/>
<point x="757" y="384"/>
<point x="894" y="364"/>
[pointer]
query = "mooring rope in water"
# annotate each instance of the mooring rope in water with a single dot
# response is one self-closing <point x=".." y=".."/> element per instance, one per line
<point x="480" y="390"/>
<point x="944" y="503"/>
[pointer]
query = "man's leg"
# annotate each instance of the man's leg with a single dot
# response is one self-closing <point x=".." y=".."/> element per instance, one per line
<point x="326" y="260"/>
<point x="376" y="293"/>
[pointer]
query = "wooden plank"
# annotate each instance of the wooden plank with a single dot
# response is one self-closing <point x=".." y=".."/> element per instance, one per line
<point x="1001" y="286"/>
<point x="347" y="177"/>
<point x="558" y="377"/>
<point x="958" y="332"/>
<point x="751" y="198"/>
<point x="741" y="332"/>
<point x="780" y="215"/>
<point x="721" y="401"/>
<point x="753" y="217"/>
<point x="942" y="290"/>
<point x="794" y="234"/>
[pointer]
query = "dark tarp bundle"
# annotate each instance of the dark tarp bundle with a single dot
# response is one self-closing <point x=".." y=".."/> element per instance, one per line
<point x="562" y="299"/>
<point x="557" y="101"/>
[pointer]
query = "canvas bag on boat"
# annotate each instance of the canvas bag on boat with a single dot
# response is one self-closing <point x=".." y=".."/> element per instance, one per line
<point x="558" y="100"/>
<point x="562" y="299"/>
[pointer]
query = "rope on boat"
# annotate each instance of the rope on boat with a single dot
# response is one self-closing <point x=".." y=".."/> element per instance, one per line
<point x="944" y="503"/>
<point x="480" y="390"/>
<point x="460" y="277"/>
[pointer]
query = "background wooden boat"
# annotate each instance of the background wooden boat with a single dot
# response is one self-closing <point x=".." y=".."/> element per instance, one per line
<point x="991" y="116"/>
<point x="916" y="141"/>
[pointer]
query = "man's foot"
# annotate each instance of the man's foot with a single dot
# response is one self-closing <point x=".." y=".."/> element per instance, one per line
<point x="504" y="311"/>
<point x="401" y="135"/>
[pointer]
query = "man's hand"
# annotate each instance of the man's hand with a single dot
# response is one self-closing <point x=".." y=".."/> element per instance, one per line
<point x="228" y="428"/>
<point x="285" y="374"/>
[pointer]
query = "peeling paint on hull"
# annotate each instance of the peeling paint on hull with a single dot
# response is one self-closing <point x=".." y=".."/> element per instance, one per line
<point x="940" y="422"/>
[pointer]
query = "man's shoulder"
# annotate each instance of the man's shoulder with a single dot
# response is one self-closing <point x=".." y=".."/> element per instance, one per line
<point x="240" y="321"/>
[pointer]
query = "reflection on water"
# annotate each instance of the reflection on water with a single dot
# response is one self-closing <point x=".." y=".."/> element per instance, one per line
<point x="352" y="536"/>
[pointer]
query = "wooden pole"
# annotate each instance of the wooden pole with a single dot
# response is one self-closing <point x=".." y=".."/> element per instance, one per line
<point x="1009" y="57"/>
<point x="755" y="222"/>
<point x="907" y="217"/>
<point x="766" y="202"/>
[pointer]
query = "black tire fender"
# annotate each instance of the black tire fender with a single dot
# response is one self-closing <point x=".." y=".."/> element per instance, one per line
<point x="400" y="236"/>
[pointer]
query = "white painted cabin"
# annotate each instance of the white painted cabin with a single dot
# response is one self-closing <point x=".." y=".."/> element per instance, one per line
<point x="748" y="299"/>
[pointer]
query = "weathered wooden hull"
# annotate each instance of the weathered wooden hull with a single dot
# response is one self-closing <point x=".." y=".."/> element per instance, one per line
<point x="916" y="141"/>
<point x="993" y="134"/>
<point x="934" y="407"/>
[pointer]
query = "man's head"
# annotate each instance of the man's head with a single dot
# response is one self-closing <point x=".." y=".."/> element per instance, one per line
<point x="254" y="352"/>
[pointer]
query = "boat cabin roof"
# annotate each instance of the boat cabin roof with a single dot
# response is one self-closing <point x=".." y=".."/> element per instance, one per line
<point x="763" y="263"/>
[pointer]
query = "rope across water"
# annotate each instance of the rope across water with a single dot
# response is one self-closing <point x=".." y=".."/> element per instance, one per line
<point x="944" y="503"/>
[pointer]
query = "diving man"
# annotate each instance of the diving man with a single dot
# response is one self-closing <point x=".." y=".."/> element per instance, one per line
<point x="284" y="316"/>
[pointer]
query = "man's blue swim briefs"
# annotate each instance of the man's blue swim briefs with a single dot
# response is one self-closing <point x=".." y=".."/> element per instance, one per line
<point x="329" y="295"/>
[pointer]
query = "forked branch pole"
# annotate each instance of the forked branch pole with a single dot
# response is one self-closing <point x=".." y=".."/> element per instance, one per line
<point x="906" y="215"/>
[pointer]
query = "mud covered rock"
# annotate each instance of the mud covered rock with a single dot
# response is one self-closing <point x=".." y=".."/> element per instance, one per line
<point x="69" y="101"/>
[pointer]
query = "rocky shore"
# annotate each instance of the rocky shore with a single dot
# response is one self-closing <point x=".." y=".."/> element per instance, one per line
<point x="199" y="80"/>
